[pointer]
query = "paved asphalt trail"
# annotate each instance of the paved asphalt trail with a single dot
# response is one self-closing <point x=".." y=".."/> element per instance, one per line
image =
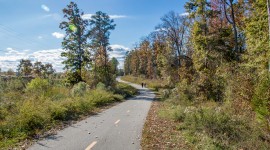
<point x="117" y="128"/>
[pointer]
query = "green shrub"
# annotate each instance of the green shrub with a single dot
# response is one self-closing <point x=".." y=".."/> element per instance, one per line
<point x="3" y="113"/>
<point x="57" y="93"/>
<point x="165" y="93"/>
<point x="38" y="85"/>
<point x="32" y="116"/>
<point x="58" y="112"/>
<point x="213" y="127"/>
<point x="100" y="97"/>
<point x="125" y="90"/>
<point x="260" y="100"/>
<point x="118" y="97"/>
<point x="72" y="107"/>
<point x="79" y="89"/>
<point x="101" y="86"/>
<point x="15" y="85"/>
<point x="72" y="78"/>
<point x="43" y="106"/>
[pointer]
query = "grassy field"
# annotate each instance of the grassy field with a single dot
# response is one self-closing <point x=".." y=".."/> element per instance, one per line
<point x="29" y="110"/>
<point x="175" y="121"/>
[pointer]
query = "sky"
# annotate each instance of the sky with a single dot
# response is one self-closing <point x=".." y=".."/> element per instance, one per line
<point x="29" y="29"/>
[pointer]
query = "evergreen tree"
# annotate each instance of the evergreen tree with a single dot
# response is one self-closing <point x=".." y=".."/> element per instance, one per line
<point x="75" y="46"/>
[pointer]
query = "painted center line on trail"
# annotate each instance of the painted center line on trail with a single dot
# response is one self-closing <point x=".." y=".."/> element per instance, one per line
<point x="117" y="121"/>
<point x="91" y="145"/>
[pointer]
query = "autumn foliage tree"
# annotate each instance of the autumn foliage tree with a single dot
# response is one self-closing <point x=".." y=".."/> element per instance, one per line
<point x="101" y="26"/>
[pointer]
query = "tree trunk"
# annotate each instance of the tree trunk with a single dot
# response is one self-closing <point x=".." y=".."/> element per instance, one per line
<point x="233" y="23"/>
<point x="234" y="28"/>
<point x="179" y="54"/>
<point x="268" y="10"/>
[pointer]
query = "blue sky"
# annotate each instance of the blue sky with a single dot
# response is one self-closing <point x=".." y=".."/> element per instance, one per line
<point x="29" y="29"/>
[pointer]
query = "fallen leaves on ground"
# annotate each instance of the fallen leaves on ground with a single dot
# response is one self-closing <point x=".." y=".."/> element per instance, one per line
<point x="161" y="133"/>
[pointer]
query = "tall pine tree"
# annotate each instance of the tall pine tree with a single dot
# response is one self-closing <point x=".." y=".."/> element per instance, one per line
<point x="75" y="44"/>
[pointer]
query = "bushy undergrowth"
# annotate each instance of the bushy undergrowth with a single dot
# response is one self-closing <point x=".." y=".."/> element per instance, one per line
<point x="30" y="111"/>
<point x="213" y="125"/>
<point x="220" y="117"/>
<point x="79" y="89"/>
<point x="260" y="99"/>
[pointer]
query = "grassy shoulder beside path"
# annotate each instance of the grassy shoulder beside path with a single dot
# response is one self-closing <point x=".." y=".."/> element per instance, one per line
<point x="33" y="110"/>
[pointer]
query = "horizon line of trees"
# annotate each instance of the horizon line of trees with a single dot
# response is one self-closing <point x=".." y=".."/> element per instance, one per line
<point x="27" y="68"/>
<point x="37" y="69"/>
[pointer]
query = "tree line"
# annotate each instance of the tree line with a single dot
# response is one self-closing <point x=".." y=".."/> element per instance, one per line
<point x="220" y="49"/>
<point x="26" y="68"/>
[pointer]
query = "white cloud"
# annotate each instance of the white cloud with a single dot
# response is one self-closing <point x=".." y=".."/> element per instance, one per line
<point x="52" y="56"/>
<point x="58" y="35"/>
<point x="88" y="16"/>
<point x="184" y="14"/>
<point x="161" y="29"/>
<point x="117" y="16"/>
<point x="119" y="52"/>
<point x="11" y="51"/>
<point x="40" y="37"/>
<point x="45" y="8"/>
<point x="12" y="58"/>
<point x="116" y="46"/>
